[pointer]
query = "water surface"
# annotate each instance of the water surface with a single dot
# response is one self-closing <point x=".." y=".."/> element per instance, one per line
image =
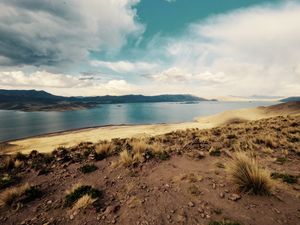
<point x="17" y="124"/>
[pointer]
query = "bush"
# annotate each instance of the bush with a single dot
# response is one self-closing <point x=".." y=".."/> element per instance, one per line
<point x="88" y="168"/>
<point x="25" y="193"/>
<point x="79" y="191"/>
<point x="215" y="152"/>
<point x="287" y="178"/>
<point x="224" y="222"/>
<point x="8" y="180"/>
<point x="248" y="176"/>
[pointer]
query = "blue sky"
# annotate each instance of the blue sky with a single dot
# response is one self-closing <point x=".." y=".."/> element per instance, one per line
<point x="208" y="48"/>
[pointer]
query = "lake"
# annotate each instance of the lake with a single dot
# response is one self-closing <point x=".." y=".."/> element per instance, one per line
<point x="16" y="124"/>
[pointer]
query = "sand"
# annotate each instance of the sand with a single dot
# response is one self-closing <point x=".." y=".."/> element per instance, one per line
<point x="47" y="143"/>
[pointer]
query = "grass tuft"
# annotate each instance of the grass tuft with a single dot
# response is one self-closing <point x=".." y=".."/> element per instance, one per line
<point x="79" y="191"/>
<point x="26" y="191"/>
<point x="248" y="176"/>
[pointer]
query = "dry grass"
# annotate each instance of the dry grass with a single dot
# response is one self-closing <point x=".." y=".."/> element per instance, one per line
<point x="83" y="203"/>
<point x="18" y="163"/>
<point x="7" y="196"/>
<point x="74" y="194"/>
<point x="103" y="148"/>
<point x="139" y="146"/>
<point x="127" y="159"/>
<point x="248" y="176"/>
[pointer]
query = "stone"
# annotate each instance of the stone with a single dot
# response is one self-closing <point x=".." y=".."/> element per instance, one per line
<point x="191" y="204"/>
<point x="222" y="195"/>
<point x="234" y="197"/>
<point x="200" y="210"/>
<point x="49" y="202"/>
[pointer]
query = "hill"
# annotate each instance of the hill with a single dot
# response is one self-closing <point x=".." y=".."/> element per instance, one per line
<point x="32" y="100"/>
<point x="291" y="99"/>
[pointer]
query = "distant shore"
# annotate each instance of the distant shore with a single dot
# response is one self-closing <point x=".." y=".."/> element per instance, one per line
<point x="48" y="142"/>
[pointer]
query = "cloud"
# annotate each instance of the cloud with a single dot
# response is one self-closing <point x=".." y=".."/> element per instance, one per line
<point x="170" y="1"/>
<point x="125" y="66"/>
<point x="63" y="84"/>
<point x="53" y="32"/>
<point x="248" y="51"/>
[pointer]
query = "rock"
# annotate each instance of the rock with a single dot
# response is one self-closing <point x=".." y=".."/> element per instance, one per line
<point x="71" y="217"/>
<point x="222" y="195"/>
<point x="276" y="210"/>
<point x="49" y="202"/>
<point x="214" y="186"/>
<point x="111" y="209"/>
<point x="168" y="217"/>
<point x="200" y="210"/>
<point x="191" y="204"/>
<point x="234" y="197"/>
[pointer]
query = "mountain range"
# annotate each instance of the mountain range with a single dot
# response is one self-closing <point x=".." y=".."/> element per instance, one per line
<point x="33" y="100"/>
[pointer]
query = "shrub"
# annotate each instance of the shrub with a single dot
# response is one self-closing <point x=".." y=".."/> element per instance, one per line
<point x="88" y="168"/>
<point x="248" y="176"/>
<point x="79" y="191"/>
<point x="8" y="163"/>
<point x="128" y="159"/>
<point x="231" y="136"/>
<point x="194" y="190"/>
<point x="83" y="202"/>
<point x="224" y="222"/>
<point x="26" y="191"/>
<point x="287" y="178"/>
<point x="215" y="152"/>
<point x="102" y="150"/>
<point x="8" y="180"/>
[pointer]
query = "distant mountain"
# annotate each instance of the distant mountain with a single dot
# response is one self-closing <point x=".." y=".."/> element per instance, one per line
<point x="291" y="99"/>
<point x="32" y="100"/>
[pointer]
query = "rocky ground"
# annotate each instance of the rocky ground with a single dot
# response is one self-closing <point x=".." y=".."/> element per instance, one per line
<point x="177" y="178"/>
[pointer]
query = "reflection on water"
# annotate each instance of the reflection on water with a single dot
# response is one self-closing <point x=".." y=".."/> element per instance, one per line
<point x="16" y="124"/>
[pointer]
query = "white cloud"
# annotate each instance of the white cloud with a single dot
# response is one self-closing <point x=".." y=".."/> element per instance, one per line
<point x="249" y="51"/>
<point x="170" y="1"/>
<point x="63" y="84"/>
<point x="51" y="32"/>
<point x="125" y="66"/>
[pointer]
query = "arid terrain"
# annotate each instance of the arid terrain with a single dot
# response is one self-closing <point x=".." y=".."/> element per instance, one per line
<point x="236" y="170"/>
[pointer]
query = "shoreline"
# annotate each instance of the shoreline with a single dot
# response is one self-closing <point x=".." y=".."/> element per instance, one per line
<point x="50" y="141"/>
<point x="87" y="128"/>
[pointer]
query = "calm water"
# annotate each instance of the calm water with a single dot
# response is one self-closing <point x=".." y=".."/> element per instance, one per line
<point x="16" y="124"/>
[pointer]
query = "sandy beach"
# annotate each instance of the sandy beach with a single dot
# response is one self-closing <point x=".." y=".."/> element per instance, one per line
<point x="46" y="143"/>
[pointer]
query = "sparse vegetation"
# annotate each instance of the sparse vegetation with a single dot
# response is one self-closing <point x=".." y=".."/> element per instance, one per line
<point x="102" y="150"/>
<point x="287" y="178"/>
<point x="194" y="190"/>
<point x="79" y="191"/>
<point x="248" y="176"/>
<point x="83" y="202"/>
<point x="88" y="168"/>
<point x="8" y="180"/>
<point x="28" y="192"/>
<point x="214" y="152"/>
<point x="223" y="222"/>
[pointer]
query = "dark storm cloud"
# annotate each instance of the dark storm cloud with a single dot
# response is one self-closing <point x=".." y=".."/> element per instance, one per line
<point x="61" y="9"/>
<point x="55" y="32"/>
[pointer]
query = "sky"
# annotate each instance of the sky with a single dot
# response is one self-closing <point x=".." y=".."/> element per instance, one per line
<point x="207" y="48"/>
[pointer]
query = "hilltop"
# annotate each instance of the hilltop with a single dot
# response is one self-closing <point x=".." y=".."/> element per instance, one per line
<point x="32" y="100"/>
